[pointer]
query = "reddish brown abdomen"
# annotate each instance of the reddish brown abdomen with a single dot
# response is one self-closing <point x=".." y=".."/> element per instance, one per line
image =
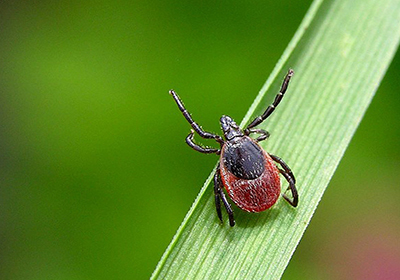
<point x="249" y="175"/>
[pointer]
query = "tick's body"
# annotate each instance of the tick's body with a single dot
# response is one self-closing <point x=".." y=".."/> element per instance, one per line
<point x="248" y="173"/>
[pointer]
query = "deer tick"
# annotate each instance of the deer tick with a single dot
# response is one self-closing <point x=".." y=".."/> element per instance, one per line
<point x="247" y="172"/>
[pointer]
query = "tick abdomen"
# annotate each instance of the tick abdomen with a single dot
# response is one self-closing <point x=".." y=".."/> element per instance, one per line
<point x="255" y="185"/>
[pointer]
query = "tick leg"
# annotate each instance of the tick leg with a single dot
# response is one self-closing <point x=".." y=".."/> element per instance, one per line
<point x="285" y="167"/>
<point x="277" y="100"/>
<point x="220" y="195"/>
<point x="196" y="147"/>
<point x="288" y="174"/>
<point x="188" y="117"/>
<point x="228" y="208"/>
<point x="295" y="200"/>
<point x="217" y="195"/>
<point x="264" y="134"/>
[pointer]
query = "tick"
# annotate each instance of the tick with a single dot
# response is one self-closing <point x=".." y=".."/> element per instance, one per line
<point x="247" y="172"/>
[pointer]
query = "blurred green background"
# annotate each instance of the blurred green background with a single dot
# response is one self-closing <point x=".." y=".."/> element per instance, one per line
<point x="95" y="174"/>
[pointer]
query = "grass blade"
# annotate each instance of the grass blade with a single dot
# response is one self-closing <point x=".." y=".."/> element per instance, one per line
<point x="340" y="54"/>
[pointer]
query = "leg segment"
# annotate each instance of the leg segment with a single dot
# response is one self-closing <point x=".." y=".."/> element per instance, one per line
<point x="285" y="167"/>
<point x="195" y="126"/>
<point x="295" y="200"/>
<point x="277" y="100"/>
<point x="220" y="195"/>
<point x="217" y="195"/>
<point x="264" y="134"/>
<point x="196" y="147"/>
<point x="288" y="174"/>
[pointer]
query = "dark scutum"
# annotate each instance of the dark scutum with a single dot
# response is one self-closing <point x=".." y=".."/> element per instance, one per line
<point x="244" y="158"/>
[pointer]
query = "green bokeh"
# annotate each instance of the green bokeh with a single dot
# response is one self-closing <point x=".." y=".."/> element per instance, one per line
<point x="95" y="175"/>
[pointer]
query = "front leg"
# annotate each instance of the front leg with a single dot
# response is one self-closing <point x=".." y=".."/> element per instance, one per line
<point x="220" y="195"/>
<point x="196" y="147"/>
<point x="195" y="125"/>
<point x="278" y="98"/>
<point x="264" y="134"/>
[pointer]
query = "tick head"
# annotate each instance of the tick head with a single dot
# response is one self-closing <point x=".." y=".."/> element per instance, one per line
<point x="230" y="128"/>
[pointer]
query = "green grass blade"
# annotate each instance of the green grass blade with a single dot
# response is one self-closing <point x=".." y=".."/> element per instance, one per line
<point x="340" y="54"/>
